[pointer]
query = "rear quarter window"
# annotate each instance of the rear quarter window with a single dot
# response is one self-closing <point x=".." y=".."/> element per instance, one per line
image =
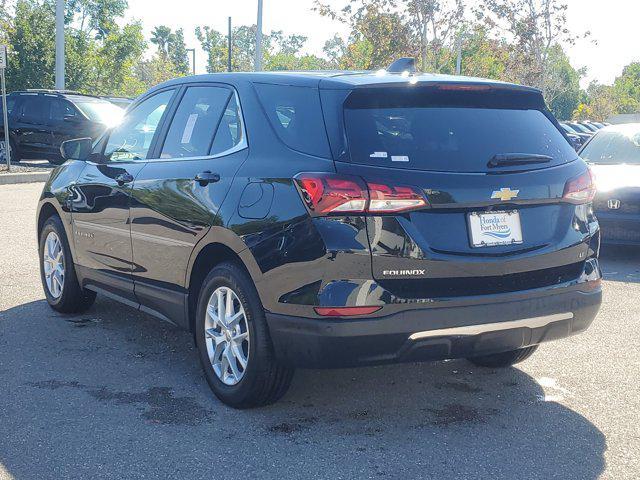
<point x="296" y="116"/>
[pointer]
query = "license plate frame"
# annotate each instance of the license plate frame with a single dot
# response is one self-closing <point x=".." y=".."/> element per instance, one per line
<point x="495" y="228"/>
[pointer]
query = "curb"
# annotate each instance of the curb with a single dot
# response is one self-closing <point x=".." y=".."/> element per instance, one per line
<point x="23" y="177"/>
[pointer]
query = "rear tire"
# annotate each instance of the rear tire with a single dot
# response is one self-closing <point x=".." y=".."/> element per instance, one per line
<point x="15" y="154"/>
<point x="504" y="359"/>
<point x="57" y="272"/>
<point x="263" y="380"/>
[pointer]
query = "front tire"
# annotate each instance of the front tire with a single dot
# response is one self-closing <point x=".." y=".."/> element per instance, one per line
<point x="504" y="359"/>
<point x="57" y="272"/>
<point x="233" y="341"/>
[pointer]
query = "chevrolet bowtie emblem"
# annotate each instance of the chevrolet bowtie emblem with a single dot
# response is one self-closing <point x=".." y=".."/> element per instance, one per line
<point x="505" y="194"/>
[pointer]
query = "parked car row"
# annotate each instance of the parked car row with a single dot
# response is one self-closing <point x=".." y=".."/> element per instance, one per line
<point x="40" y="120"/>
<point x="580" y="132"/>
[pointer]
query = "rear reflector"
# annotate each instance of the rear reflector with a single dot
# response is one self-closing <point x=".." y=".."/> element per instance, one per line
<point x="345" y="311"/>
<point x="327" y="193"/>
<point x="593" y="285"/>
<point x="580" y="189"/>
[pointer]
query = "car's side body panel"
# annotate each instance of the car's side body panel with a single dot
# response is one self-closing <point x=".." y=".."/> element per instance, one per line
<point x="101" y="225"/>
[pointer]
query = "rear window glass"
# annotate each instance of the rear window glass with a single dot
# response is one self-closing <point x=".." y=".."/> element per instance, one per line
<point x="454" y="138"/>
<point x="296" y="116"/>
<point x="614" y="146"/>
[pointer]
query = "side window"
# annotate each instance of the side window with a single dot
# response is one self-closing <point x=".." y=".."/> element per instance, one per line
<point x="131" y="140"/>
<point x="61" y="109"/>
<point x="33" y="109"/>
<point x="11" y="101"/>
<point x="229" y="132"/>
<point x="195" y="121"/>
<point x="296" y="116"/>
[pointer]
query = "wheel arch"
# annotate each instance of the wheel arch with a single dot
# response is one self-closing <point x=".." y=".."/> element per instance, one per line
<point x="209" y="254"/>
<point x="46" y="211"/>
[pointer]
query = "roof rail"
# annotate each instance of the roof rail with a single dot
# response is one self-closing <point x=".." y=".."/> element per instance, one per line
<point x="58" y="92"/>
<point x="405" y="64"/>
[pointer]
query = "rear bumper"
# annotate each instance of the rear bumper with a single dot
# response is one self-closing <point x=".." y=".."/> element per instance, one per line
<point x="506" y="322"/>
<point x="619" y="228"/>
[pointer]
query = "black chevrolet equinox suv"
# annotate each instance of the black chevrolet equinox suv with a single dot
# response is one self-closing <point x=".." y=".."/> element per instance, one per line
<point x="329" y="220"/>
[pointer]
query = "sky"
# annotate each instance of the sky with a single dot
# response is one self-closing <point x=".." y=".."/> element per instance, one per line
<point x="612" y="24"/>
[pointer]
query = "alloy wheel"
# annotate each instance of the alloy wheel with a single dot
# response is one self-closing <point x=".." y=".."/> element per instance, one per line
<point x="53" y="262"/>
<point x="227" y="336"/>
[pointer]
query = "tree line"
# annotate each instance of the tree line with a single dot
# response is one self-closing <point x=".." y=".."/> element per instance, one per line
<point x="522" y="41"/>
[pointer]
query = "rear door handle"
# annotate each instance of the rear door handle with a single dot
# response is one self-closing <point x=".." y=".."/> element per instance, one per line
<point x="205" y="178"/>
<point x="123" y="178"/>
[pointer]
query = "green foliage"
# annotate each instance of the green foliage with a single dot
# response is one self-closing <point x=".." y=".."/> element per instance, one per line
<point x="623" y="96"/>
<point x="521" y="41"/>
<point x="563" y="93"/>
<point x="215" y="46"/>
<point x="95" y="16"/>
<point x="116" y="60"/>
<point x="626" y="89"/>
<point x="378" y="36"/>
<point x="482" y="56"/>
<point x="32" y="47"/>
<point x="152" y="72"/>
<point x="335" y="49"/>
<point x="178" y="54"/>
<point x="509" y="40"/>
<point x="280" y="51"/>
<point x="101" y="56"/>
<point x="162" y="37"/>
<point x="172" y="50"/>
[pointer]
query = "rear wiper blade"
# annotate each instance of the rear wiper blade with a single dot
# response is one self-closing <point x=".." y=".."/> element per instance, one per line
<point x="506" y="159"/>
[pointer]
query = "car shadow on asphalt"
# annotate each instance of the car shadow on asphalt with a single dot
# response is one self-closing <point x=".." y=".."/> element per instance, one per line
<point x="124" y="376"/>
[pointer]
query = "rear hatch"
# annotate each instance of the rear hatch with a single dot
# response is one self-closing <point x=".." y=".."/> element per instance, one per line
<point x="494" y="169"/>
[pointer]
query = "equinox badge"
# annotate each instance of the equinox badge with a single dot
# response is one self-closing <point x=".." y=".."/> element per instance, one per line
<point x="505" y="194"/>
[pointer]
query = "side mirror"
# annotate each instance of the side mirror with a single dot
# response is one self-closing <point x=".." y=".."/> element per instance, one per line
<point x="78" y="149"/>
<point x="71" y="119"/>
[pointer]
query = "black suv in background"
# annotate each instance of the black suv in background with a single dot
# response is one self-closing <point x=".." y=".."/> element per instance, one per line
<point x="40" y="120"/>
<point x="329" y="220"/>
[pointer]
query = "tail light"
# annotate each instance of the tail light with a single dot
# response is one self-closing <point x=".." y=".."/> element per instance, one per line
<point x="389" y="199"/>
<point x="327" y="193"/>
<point x="580" y="189"/>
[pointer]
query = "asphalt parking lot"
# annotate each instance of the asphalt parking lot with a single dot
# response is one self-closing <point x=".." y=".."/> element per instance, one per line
<point x="116" y="394"/>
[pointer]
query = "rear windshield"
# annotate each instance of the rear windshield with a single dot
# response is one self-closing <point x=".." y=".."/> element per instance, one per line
<point x="454" y="137"/>
<point x="620" y="145"/>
